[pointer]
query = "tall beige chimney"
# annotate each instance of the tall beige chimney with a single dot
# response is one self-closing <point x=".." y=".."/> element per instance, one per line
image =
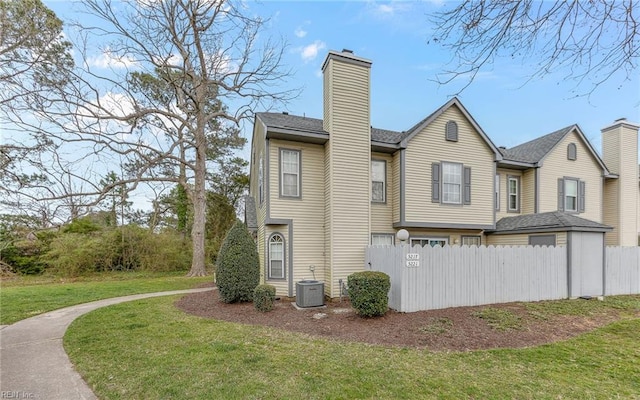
<point x="621" y="195"/>
<point x="347" y="118"/>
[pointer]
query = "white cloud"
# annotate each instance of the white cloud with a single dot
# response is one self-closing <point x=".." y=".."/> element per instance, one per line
<point x="299" y="32"/>
<point x="310" y="52"/>
<point x="385" y="9"/>
<point x="171" y="59"/>
<point x="110" y="60"/>
<point x="388" y="10"/>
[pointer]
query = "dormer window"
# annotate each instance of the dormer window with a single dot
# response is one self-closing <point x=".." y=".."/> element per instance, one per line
<point x="451" y="131"/>
<point x="572" y="152"/>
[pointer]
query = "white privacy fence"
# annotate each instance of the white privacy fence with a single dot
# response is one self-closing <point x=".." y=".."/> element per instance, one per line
<point x="426" y="278"/>
<point x="622" y="268"/>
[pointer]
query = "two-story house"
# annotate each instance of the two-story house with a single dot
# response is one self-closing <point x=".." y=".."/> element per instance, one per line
<point x="321" y="190"/>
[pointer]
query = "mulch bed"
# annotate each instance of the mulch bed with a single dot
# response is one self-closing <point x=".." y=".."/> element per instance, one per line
<point x="451" y="329"/>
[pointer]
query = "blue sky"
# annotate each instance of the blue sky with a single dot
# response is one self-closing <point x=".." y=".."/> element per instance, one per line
<point x="394" y="36"/>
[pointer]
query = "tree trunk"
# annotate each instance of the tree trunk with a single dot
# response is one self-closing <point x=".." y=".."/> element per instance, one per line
<point x="199" y="205"/>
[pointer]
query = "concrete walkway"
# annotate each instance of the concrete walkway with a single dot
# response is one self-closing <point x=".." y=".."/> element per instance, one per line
<point x="33" y="364"/>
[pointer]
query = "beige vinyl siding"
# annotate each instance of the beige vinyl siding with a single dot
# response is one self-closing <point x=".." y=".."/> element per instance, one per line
<point x="349" y="170"/>
<point x="585" y="167"/>
<point x="454" y="236"/>
<point x="504" y="174"/>
<point x="522" y="239"/>
<point x="395" y="193"/>
<point x="628" y="186"/>
<point x="430" y="146"/>
<point x="610" y="211"/>
<point x="527" y="190"/>
<point x="381" y="213"/>
<point x="307" y="212"/>
<point x="620" y="151"/>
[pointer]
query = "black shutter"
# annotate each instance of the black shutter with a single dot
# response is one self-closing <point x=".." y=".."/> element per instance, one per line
<point x="560" y="194"/>
<point x="435" y="183"/>
<point x="581" y="196"/>
<point x="467" y="185"/>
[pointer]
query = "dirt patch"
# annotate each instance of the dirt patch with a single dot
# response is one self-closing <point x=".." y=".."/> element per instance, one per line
<point x="451" y="329"/>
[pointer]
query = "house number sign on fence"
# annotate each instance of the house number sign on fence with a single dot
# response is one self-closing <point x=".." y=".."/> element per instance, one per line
<point x="413" y="260"/>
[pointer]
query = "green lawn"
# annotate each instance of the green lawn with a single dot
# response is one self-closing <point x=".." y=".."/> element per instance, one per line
<point x="28" y="296"/>
<point x="149" y="349"/>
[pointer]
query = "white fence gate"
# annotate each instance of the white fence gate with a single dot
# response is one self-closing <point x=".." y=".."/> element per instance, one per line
<point x="426" y="278"/>
<point x="622" y="270"/>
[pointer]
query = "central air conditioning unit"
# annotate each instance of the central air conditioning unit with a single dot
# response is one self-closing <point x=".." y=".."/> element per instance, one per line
<point x="309" y="293"/>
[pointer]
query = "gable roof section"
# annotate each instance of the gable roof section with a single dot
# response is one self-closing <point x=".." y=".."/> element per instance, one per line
<point x="291" y="122"/>
<point x="536" y="150"/>
<point x="432" y="117"/>
<point x="547" y="222"/>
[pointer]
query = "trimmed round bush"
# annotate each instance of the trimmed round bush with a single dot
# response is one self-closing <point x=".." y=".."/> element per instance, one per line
<point x="237" y="266"/>
<point x="368" y="292"/>
<point x="263" y="297"/>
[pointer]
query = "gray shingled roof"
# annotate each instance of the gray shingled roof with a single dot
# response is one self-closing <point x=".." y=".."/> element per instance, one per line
<point x="549" y="220"/>
<point x="306" y="124"/>
<point x="250" y="214"/>
<point x="294" y="122"/>
<point x="535" y="150"/>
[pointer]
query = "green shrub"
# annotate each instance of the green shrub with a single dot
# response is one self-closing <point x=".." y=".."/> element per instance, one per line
<point x="237" y="265"/>
<point x="125" y="248"/>
<point x="263" y="297"/>
<point x="368" y="292"/>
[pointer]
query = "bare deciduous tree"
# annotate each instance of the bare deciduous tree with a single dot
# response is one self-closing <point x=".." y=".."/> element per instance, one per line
<point x="173" y="79"/>
<point x="589" y="41"/>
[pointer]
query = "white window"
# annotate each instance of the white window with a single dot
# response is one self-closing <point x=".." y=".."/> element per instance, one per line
<point x="260" y="181"/>
<point x="289" y="173"/>
<point x="497" y="191"/>
<point x="451" y="183"/>
<point x="571" y="195"/>
<point x="382" y="239"/>
<point x="471" y="240"/>
<point x="378" y="181"/>
<point x="513" y="186"/>
<point x="429" y="241"/>
<point x="276" y="256"/>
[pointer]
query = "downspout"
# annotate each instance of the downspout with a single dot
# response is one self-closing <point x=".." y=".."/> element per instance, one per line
<point x="569" y="239"/>
<point x="291" y="258"/>
<point x="536" y="190"/>
<point x="604" y="267"/>
<point x="402" y="186"/>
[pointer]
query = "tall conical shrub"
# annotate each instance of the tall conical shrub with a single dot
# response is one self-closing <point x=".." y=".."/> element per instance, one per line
<point x="237" y="266"/>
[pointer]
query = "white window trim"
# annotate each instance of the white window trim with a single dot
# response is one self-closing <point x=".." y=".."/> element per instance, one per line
<point x="284" y="257"/>
<point x="566" y="195"/>
<point x="384" y="181"/>
<point x="390" y="236"/>
<point x="497" y="191"/>
<point x="260" y="181"/>
<point x="444" y="182"/>
<point x="474" y="237"/>
<point x="298" y="173"/>
<point x="429" y="239"/>
<point x="516" y="194"/>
